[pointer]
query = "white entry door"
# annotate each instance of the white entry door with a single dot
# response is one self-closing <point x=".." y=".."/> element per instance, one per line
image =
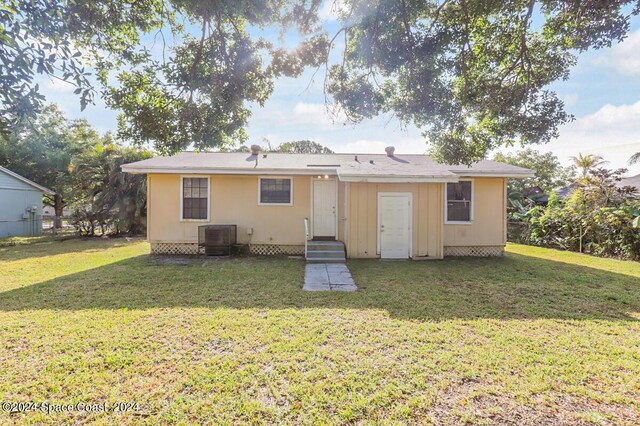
<point x="324" y="207"/>
<point x="394" y="217"/>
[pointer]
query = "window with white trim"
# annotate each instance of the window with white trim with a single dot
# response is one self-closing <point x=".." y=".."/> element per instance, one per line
<point x="459" y="201"/>
<point x="276" y="191"/>
<point x="195" y="198"/>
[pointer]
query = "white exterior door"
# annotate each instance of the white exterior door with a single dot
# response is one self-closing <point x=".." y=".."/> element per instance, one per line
<point x="324" y="207"/>
<point x="394" y="217"/>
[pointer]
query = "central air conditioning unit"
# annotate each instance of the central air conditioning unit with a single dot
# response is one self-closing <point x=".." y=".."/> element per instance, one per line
<point x="217" y="240"/>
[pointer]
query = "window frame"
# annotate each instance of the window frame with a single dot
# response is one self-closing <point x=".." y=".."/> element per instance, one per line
<point x="471" y="205"/>
<point x="181" y="213"/>
<point x="289" y="204"/>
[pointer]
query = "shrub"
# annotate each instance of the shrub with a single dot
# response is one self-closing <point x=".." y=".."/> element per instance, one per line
<point x="598" y="218"/>
<point x="87" y="222"/>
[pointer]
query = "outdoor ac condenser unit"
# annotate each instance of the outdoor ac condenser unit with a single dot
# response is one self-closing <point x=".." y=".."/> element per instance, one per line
<point x="217" y="239"/>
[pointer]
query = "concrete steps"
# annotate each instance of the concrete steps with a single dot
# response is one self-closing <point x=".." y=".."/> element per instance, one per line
<point x="326" y="252"/>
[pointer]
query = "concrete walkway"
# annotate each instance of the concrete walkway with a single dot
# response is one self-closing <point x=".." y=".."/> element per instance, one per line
<point x="327" y="277"/>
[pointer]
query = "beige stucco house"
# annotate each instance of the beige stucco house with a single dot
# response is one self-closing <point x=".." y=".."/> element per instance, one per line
<point x="380" y="206"/>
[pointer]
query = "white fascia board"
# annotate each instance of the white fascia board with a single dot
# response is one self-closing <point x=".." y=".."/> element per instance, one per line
<point x="494" y="174"/>
<point x="397" y="179"/>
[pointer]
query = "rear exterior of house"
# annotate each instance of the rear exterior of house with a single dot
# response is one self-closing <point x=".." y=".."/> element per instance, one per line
<point x="380" y="206"/>
<point x="20" y="205"/>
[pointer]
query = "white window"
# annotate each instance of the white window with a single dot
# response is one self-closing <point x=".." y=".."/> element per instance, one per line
<point x="459" y="202"/>
<point x="275" y="191"/>
<point x="194" y="198"/>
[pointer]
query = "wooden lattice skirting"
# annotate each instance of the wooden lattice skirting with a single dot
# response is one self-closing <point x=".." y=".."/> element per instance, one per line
<point x="477" y="251"/>
<point x="275" y="249"/>
<point x="175" y="248"/>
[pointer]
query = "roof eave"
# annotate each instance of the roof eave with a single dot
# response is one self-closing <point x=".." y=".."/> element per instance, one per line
<point x="510" y="175"/>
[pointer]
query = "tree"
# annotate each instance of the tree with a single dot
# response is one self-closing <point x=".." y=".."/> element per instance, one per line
<point x="303" y="147"/>
<point x="587" y="163"/>
<point x="635" y="158"/>
<point x="195" y="92"/>
<point x="472" y="74"/>
<point x="58" y="39"/>
<point x="549" y="173"/>
<point x="115" y="199"/>
<point x="42" y="152"/>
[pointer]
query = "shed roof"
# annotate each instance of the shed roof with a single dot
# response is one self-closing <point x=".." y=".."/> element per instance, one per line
<point x="27" y="181"/>
<point x="348" y="167"/>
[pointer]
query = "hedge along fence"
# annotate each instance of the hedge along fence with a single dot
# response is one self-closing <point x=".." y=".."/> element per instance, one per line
<point x="600" y="216"/>
<point x="599" y="231"/>
<point x="518" y="232"/>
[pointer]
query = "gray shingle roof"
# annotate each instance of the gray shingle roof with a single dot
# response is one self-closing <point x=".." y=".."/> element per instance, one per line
<point x="631" y="181"/>
<point x="348" y="166"/>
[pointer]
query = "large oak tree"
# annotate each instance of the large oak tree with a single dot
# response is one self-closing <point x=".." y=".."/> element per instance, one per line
<point x="472" y="74"/>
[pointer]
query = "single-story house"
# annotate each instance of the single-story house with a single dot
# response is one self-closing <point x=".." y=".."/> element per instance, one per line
<point x="379" y="206"/>
<point x="561" y="193"/>
<point x="20" y="205"/>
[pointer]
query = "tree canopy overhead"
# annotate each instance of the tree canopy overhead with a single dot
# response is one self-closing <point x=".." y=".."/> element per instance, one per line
<point x="472" y="74"/>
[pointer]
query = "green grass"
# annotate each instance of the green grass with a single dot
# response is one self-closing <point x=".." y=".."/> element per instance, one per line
<point x="537" y="337"/>
<point x="46" y="236"/>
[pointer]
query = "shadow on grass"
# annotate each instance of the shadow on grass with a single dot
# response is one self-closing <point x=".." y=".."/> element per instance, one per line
<point x="52" y="247"/>
<point x="516" y="286"/>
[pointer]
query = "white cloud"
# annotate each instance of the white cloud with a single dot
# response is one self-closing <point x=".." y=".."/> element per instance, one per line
<point x="312" y="113"/>
<point x="362" y="146"/>
<point x="59" y="86"/>
<point x="403" y="145"/>
<point x="570" y="100"/>
<point x="613" y="117"/>
<point x="613" y="132"/>
<point x="623" y="57"/>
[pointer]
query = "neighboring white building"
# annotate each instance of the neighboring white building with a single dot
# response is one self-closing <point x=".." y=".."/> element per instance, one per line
<point x="50" y="211"/>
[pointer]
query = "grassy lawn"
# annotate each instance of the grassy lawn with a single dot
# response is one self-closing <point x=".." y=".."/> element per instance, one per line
<point x="536" y="337"/>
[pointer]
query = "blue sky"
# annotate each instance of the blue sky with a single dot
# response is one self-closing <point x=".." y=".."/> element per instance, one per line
<point x="603" y="93"/>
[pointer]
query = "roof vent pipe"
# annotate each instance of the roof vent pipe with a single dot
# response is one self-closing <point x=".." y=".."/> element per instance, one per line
<point x="255" y="149"/>
<point x="389" y="150"/>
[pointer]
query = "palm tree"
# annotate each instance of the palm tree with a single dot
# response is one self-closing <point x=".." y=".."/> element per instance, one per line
<point x="119" y="196"/>
<point x="635" y="158"/>
<point x="587" y="162"/>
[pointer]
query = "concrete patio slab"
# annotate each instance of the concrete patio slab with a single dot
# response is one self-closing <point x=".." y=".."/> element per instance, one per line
<point x="328" y="277"/>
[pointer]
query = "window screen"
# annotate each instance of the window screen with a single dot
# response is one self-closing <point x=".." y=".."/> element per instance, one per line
<point x="195" y="198"/>
<point x="459" y="202"/>
<point x="275" y="191"/>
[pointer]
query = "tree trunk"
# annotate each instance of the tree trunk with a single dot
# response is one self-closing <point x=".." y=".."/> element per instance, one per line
<point x="58" y="207"/>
